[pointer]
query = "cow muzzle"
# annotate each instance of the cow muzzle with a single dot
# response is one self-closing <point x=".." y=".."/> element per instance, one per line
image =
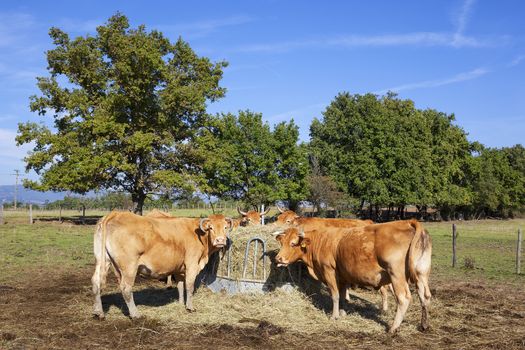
<point x="280" y="261"/>
<point x="220" y="242"/>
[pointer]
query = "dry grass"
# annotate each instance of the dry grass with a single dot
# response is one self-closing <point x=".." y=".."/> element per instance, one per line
<point x="53" y="311"/>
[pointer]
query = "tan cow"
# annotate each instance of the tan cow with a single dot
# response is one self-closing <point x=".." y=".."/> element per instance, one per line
<point x="289" y="218"/>
<point x="375" y="255"/>
<point x="154" y="247"/>
<point x="156" y="213"/>
<point x="251" y="217"/>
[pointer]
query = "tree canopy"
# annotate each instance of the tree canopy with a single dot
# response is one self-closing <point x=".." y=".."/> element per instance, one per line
<point x="243" y="159"/>
<point x="124" y="104"/>
<point x="386" y="152"/>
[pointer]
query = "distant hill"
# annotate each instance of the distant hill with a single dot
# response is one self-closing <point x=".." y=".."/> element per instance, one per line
<point x="7" y="194"/>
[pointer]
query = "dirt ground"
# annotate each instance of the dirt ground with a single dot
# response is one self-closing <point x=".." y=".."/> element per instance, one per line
<point x="52" y="309"/>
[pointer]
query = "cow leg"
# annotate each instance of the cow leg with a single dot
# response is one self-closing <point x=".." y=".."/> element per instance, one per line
<point x="191" y="275"/>
<point x="126" y="287"/>
<point x="384" y="298"/>
<point x="342" y="290"/>
<point x="403" y="295"/>
<point x="98" y="281"/>
<point x="334" y="291"/>
<point x="180" y="289"/>
<point x="169" y="282"/>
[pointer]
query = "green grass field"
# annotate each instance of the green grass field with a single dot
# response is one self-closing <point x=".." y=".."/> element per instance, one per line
<point x="485" y="249"/>
<point x="46" y="299"/>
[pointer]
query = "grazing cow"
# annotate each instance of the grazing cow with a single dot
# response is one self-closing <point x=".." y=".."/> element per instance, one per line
<point x="374" y="255"/>
<point x="290" y="218"/>
<point x="154" y="247"/>
<point x="251" y="217"/>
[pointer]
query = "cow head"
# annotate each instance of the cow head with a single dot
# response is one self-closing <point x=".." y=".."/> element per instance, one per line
<point x="217" y="227"/>
<point x="252" y="217"/>
<point x="286" y="218"/>
<point x="293" y="245"/>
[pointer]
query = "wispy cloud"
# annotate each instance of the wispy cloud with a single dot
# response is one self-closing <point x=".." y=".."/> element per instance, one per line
<point x="204" y="27"/>
<point x="455" y="38"/>
<point x="295" y="113"/>
<point x="76" y="26"/>
<point x="517" y="60"/>
<point x="473" y="74"/>
<point x="380" y="40"/>
<point x="8" y="147"/>
<point x="462" y="19"/>
<point x="13" y="26"/>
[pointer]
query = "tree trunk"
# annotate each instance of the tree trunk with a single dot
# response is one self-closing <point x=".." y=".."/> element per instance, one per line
<point x="138" y="202"/>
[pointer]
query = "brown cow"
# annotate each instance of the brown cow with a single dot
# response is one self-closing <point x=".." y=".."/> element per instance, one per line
<point x="251" y="217"/>
<point x="289" y="218"/>
<point x="154" y="247"/>
<point x="375" y="255"/>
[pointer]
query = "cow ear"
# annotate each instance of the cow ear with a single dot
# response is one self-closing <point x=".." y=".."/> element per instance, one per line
<point x="305" y="242"/>
<point x="278" y="235"/>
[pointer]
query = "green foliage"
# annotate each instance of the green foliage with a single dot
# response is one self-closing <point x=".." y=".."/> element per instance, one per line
<point x="384" y="151"/>
<point x="498" y="182"/>
<point x="124" y="103"/>
<point x="243" y="159"/>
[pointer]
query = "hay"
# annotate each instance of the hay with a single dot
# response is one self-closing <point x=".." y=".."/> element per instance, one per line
<point x="258" y="264"/>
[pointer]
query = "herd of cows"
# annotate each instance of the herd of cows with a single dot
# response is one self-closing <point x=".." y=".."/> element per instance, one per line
<point x="341" y="253"/>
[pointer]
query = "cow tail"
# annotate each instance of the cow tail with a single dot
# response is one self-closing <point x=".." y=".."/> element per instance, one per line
<point x="102" y="229"/>
<point x="417" y="247"/>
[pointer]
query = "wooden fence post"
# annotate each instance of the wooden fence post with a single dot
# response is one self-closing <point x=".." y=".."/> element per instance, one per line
<point x="59" y="213"/>
<point x="30" y="214"/>
<point x="518" y="252"/>
<point x="2" y="214"/>
<point x="454" y="236"/>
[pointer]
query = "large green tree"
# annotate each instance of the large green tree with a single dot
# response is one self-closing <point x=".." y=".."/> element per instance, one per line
<point x="243" y="159"/>
<point x="124" y="104"/>
<point x="386" y="152"/>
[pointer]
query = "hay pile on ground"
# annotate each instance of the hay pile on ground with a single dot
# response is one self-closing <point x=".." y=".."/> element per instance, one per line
<point x="256" y="264"/>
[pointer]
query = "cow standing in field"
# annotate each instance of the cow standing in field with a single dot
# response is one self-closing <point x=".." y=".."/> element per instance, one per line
<point x="375" y="255"/>
<point x="251" y="217"/>
<point x="154" y="247"/>
<point x="289" y="218"/>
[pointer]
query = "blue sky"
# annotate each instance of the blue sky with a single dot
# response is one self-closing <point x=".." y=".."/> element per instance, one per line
<point x="288" y="59"/>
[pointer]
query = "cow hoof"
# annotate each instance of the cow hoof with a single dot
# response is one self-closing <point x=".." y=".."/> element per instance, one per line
<point x="100" y="317"/>
<point x="423" y="327"/>
<point x="342" y="313"/>
<point x="334" y="318"/>
<point x="393" y="331"/>
<point x="191" y="310"/>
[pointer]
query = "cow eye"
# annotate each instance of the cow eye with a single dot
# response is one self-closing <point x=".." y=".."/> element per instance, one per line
<point x="288" y="221"/>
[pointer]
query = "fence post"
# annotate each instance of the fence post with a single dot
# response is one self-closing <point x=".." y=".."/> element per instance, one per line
<point x="59" y="213"/>
<point x="518" y="252"/>
<point x="454" y="236"/>
<point x="2" y="214"/>
<point x="30" y="214"/>
<point x="262" y="216"/>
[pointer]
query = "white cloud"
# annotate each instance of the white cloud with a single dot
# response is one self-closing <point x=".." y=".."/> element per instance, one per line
<point x="295" y="113"/>
<point x="473" y="74"/>
<point x="13" y="26"/>
<point x="204" y="27"/>
<point x="380" y="40"/>
<point x="8" y="148"/>
<point x="79" y="27"/>
<point x="517" y="60"/>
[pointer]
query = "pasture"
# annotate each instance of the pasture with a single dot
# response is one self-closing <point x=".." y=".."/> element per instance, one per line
<point x="45" y="293"/>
